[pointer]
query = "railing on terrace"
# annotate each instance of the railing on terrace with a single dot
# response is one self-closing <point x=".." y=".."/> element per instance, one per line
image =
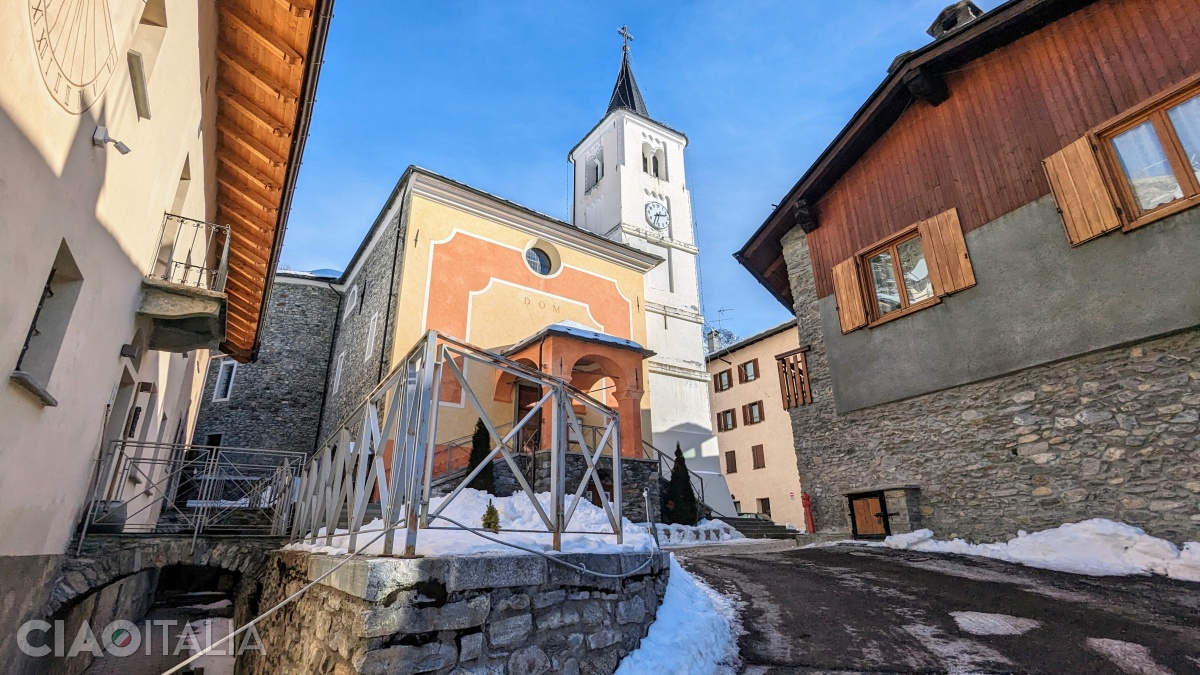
<point x="192" y="253"/>
<point x="159" y="488"/>
<point x="383" y="453"/>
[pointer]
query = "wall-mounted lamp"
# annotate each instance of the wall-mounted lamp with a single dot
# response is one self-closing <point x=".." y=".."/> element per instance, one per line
<point x="101" y="138"/>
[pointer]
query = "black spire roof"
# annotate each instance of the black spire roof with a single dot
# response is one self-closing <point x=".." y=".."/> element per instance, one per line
<point x="625" y="93"/>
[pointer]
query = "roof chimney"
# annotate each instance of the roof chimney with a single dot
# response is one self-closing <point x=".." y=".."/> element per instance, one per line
<point x="714" y="341"/>
<point x="960" y="13"/>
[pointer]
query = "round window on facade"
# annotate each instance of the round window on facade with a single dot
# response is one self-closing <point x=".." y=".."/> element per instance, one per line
<point x="538" y="261"/>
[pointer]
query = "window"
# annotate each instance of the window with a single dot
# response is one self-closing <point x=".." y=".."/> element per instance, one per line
<point x="723" y="380"/>
<point x="351" y="302"/>
<point x="49" y="325"/>
<point x="214" y="440"/>
<point x="760" y="460"/>
<point x="371" y="336"/>
<point x="730" y="461"/>
<point x="594" y="170"/>
<point x="225" y="374"/>
<point x="538" y="261"/>
<point x="898" y="276"/>
<point x="737" y="507"/>
<point x="911" y="270"/>
<point x="764" y="506"/>
<point x="654" y="161"/>
<point x="146" y="45"/>
<point x="726" y="420"/>
<point x="131" y="425"/>
<point x="752" y="413"/>
<point x="793" y="378"/>
<point x="748" y="371"/>
<point x="337" y="373"/>
<point x="1154" y="154"/>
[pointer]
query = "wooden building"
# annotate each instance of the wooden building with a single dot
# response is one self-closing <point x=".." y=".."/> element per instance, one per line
<point x="994" y="264"/>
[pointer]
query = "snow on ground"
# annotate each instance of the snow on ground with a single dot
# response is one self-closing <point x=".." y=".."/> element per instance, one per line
<point x="516" y="513"/>
<point x="220" y="604"/>
<point x="1095" y="547"/>
<point x="694" y="633"/>
<point x="704" y="531"/>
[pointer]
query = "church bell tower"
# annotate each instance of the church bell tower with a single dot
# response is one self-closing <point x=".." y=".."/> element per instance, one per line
<point x="630" y="185"/>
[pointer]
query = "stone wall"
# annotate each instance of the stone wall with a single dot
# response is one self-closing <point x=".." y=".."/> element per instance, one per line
<point x="275" y="402"/>
<point x="1109" y="434"/>
<point x="376" y="281"/>
<point x="463" y="614"/>
<point x="636" y="475"/>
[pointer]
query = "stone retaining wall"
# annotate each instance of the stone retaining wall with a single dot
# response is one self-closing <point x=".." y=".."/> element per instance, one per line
<point x="461" y="614"/>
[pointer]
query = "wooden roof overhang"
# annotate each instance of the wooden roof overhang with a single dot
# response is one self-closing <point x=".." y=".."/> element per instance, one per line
<point x="269" y="55"/>
<point x="913" y="75"/>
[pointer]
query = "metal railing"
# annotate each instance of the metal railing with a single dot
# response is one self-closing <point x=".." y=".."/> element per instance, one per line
<point x="192" y="253"/>
<point x="382" y="454"/>
<point x="160" y="488"/>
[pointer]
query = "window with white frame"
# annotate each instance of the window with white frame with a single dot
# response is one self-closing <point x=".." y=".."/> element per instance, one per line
<point x="351" y="302"/>
<point x="371" y="336"/>
<point x="337" y="372"/>
<point x="225" y="374"/>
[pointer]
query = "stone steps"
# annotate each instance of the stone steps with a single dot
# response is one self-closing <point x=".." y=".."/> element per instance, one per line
<point x="756" y="528"/>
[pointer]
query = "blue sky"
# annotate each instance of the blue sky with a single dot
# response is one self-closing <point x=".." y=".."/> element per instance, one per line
<point x="494" y="94"/>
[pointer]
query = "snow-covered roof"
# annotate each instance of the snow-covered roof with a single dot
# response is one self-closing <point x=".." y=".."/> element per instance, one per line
<point x="576" y="330"/>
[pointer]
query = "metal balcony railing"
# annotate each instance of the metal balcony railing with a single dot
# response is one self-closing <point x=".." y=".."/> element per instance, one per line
<point x="188" y="490"/>
<point x="192" y="253"/>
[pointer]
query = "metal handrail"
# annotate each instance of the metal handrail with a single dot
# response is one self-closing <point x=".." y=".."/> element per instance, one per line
<point x="400" y="417"/>
<point x="192" y="252"/>
<point x="663" y="458"/>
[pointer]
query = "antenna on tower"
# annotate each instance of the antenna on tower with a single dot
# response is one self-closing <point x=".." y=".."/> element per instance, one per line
<point x="721" y="316"/>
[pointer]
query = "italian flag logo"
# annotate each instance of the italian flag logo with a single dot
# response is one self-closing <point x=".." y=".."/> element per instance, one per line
<point x="121" y="637"/>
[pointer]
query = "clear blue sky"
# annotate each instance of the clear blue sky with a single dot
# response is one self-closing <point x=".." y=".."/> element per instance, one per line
<point x="494" y="94"/>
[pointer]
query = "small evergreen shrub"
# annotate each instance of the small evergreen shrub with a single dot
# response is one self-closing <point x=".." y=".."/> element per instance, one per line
<point x="491" y="518"/>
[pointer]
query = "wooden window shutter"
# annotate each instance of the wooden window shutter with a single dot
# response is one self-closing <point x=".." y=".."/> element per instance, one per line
<point x="1083" y="199"/>
<point x="741" y="373"/>
<point x="746" y="414"/>
<point x="717" y="381"/>
<point x="946" y="253"/>
<point x="847" y="289"/>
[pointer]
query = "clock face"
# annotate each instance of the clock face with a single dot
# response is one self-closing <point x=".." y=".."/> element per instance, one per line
<point x="657" y="215"/>
<point x="75" y="48"/>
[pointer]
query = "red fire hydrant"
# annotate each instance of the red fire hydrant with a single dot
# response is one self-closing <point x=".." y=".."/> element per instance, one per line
<point x="806" y="500"/>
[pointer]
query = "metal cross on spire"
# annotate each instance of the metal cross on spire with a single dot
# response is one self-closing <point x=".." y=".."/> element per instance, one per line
<point x="624" y="33"/>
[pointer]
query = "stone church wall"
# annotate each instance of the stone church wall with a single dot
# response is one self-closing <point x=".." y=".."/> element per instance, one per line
<point x="376" y="281"/>
<point x="1109" y="434"/>
<point x="275" y="402"/>
<point x="516" y="614"/>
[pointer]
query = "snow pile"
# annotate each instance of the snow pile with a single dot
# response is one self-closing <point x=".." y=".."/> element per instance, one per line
<point x="516" y="513"/>
<point x="694" y="632"/>
<point x="705" y="530"/>
<point x="1096" y="547"/>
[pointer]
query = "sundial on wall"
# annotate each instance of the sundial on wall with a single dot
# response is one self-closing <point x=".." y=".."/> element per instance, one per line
<point x="75" y="48"/>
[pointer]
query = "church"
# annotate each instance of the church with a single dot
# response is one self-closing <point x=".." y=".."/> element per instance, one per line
<point x="609" y="302"/>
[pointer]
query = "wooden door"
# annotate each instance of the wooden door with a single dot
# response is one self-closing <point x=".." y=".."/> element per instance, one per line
<point x="870" y="519"/>
<point x="529" y="439"/>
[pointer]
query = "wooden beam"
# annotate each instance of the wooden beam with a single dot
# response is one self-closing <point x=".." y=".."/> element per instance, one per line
<point x="300" y="8"/>
<point x="265" y="234"/>
<point x="249" y="193"/>
<point x="257" y="76"/>
<point x="243" y="167"/>
<point x="245" y="300"/>
<point x="250" y="143"/>
<point x="242" y="320"/>
<point x="264" y="35"/>
<point x="249" y="239"/>
<point x="246" y="286"/>
<point x="254" y="112"/>
<point x="236" y="252"/>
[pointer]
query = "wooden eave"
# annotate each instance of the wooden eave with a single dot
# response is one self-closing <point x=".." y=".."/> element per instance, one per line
<point x="762" y="254"/>
<point x="269" y="56"/>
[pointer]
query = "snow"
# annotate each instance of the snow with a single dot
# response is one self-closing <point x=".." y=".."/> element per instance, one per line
<point x="1095" y="547"/>
<point x="694" y="632"/>
<point x="516" y="513"/>
<point x="981" y="623"/>
<point x="704" y="531"/>
<point x="220" y="604"/>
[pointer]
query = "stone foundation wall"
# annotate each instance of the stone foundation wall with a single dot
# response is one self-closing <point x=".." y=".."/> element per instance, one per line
<point x="1109" y="434"/>
<point x="463" y="614"/>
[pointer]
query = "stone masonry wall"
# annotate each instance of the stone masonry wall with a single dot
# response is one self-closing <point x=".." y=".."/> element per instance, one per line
<point x="376" y="282"/>
<point x="1110" y="434"/>
<point x="275" y="402"/>
<point x="463" y="614"/>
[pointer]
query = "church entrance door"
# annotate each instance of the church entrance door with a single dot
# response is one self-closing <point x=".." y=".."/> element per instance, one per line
<point x="529" y="439"/>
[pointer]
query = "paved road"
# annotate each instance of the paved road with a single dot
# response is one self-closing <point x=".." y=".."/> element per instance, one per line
<point x="861" y="609"/>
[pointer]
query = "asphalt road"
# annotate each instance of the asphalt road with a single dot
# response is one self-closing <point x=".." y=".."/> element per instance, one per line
<point x="860" y="609"/>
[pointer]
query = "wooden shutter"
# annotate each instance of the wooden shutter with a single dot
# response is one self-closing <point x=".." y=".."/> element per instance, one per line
<point x="741" y="373"/>
<point x="1083" y="199"/>
<point x="946" y="253"/>
<point x="760" y="460"/>
<point x="848" y="291"/>
<point x="746" y="414"/>
<point x="730" y="461"/>
<point x="756" y="373"/>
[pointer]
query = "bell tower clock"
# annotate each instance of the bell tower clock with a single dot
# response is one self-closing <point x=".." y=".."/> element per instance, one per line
<point x="630" y="185"/>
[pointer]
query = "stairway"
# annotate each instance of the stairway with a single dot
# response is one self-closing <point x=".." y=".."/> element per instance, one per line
<point x="757" y="528"/>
